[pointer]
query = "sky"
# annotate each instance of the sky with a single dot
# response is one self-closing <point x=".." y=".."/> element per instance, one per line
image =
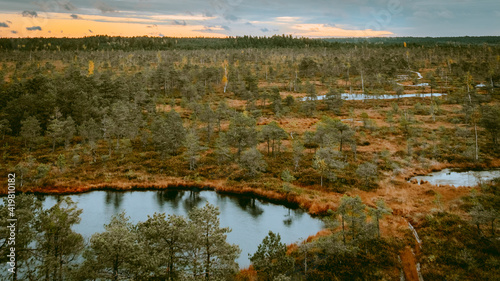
<point x="222" y="18"/>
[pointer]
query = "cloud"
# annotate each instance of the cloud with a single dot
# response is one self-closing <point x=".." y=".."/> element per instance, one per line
<point x="31" y="14"/>
<point x="225" y="27"/>
<point x="13" y="31"/>
<point x="422" y="14"/>
<point x="408" y="18"/>
<point x="446" y="14"/>
<point x="103" y="7"/>
<point x="181" y="17"/>
<point x="287" y="19"/>
<point x="8" y="21"/>
<point x="54" y="5"/>
<point x="179" y="22"/>
<point x="3" y="24"/>
<point x="34" y="28"/>
<point x="91" y="31"/>
<point x="323" y="30"/>
<point x="75" y="16"/>
<point x="212" y="28"/>
<point x="230" y="17"/>
<point x="66" y="5"/>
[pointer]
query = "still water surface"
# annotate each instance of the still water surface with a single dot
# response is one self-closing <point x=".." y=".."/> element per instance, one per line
<point x="346" y="96"/>
<point x="250" y="220"/>
<point x="457" y="178"/>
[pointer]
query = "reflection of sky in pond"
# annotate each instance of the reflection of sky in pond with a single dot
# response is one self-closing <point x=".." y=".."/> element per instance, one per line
<point x="346" y="96"/>
<point x="249" y="219"/>
<point x="449" y="177"/>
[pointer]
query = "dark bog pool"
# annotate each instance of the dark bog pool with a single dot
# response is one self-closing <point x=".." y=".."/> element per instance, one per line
<point x="249" y="219"/>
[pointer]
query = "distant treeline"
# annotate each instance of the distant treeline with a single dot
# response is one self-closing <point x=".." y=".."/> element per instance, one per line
<point x="158" y="43"/>
<point x="422" y="41"/>
<point x="167" y="43"/>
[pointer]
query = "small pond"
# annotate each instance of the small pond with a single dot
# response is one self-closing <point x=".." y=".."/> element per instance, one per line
<point x="249" y="219"/>
<point x="346" y="96"/>
<point x="457" y="178"/>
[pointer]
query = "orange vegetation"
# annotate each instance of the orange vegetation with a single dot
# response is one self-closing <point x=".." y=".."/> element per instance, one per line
<point x="409" y="265"/>
<point x="247" y="274"/>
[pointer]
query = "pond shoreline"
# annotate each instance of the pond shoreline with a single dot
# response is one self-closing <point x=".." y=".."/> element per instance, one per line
<point x="494" y="165"/>
<point x="292" y="201"/>
<point x="456" y="177"/>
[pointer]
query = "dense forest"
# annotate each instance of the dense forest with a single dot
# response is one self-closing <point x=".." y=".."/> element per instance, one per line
<point x="102" y="42"/>
<point x="334" y="126"/>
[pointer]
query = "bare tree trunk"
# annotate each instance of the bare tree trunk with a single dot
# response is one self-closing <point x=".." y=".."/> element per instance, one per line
<point x="295" y="83"/>
<point x="362" y="83"/>
<point x="477" y="148"/>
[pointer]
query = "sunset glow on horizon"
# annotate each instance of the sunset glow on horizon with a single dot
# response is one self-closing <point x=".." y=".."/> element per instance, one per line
<point x="223" y="18"/>
<point x="63" y="25"/>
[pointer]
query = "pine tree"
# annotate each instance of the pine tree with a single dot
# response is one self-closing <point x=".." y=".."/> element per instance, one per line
<point x="30" y="131"/>
<point x="273" y="134"/>
<point x="222" y="150"/>
<point x="333" y="131"/>
<point x="298" y="153"/>
<point x="4" y="128"/>
<point x="270" y="259"/>
<point x="27" y="209"/>
<point x="352" y="213"/>
<point x="379" y="212"/>
<point x="193" y="148"/>
<point x="69" y="131"/>
<point x="210" y="254"/>
<point x="242" y="133"/>
<point x="253" y="162"/>
<point x="90" y="132"/>
<point x="58" y="245"/>
<point x="168" y="133"/>
<point x="163" y="242"/>
<point x="55" y="130"/>
<point x="367" y="172"/>
<point x="208" y="116"/>
<point x="222" y="112"/>
<point x="334" y="101"/>
<point x="328" y="162"/>
<point x="108" y="128"/>
<point x="111" y="253"/>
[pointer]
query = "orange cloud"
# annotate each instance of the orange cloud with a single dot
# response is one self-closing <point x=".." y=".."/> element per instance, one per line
<point x="63" y="25"/>
<point x="321" y="30"/>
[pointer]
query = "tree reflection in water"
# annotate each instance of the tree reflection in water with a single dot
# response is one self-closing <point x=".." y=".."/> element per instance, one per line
<point x="169" y="195"/>
<point x="114" y="198"/>
<point x="248" y="204"/>
<point x="193" y="200"/>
